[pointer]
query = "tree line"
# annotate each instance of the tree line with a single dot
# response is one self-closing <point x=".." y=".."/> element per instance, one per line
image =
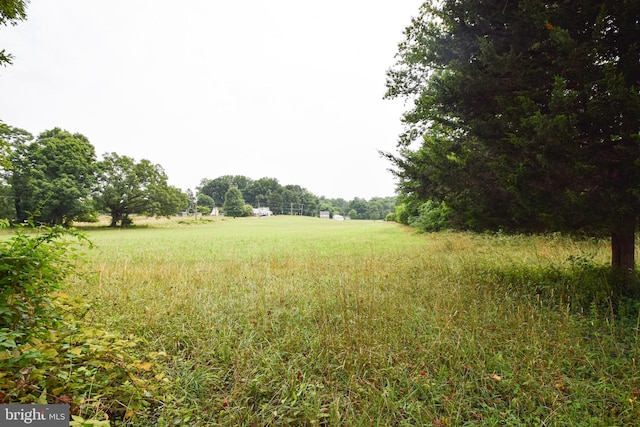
<point x="282" y="199"/>
<point x="56" y="179"/>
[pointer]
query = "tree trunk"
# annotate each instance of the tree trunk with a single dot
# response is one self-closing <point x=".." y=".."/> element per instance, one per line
<point x="115" y="217"/>
<point x="623" y="254"/>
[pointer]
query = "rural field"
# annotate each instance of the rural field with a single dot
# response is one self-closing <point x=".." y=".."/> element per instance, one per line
<point x="302" y="321"/>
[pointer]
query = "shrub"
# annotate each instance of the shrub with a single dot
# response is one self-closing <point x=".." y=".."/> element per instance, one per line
<point x="32" y="266"/>
<point x="49" y="353"/>
<point x="402" y="214"/>
<point x="204" y="210"/>
<point x="432" y="216"/>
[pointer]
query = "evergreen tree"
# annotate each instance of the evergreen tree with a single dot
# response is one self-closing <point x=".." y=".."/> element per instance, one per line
<point x="527" y="115"/>
<point x="234" y="203"/>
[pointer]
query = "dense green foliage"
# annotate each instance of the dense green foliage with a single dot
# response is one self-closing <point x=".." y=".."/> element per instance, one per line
<point x="206" y="202"/>
<point x="32" y="267"/>
<point x="526" y="114"/>
<point x="7" y="208"/>
<point x="263" y="192"/>
<point x="234" y="203"/>
<point x="56" y="179"/>
<point x="4" y="146"/>
<point x="127" y="187"/>
<point x="52" y="177"/>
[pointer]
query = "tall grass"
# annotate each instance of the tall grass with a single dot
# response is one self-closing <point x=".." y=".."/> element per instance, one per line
<point x="303" y="321"/>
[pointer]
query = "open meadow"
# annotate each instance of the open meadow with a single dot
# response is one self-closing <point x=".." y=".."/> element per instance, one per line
<point x="303" y="321"/>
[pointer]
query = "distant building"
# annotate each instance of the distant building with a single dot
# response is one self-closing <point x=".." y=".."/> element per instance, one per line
<point x="325" y="214"/>
<point x="215" y="212"/>
<point x="262" y="211"/>
<point x="338" y="217"/>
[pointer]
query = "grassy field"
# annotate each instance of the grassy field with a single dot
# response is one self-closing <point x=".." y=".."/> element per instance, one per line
<point x="302" y="321"/>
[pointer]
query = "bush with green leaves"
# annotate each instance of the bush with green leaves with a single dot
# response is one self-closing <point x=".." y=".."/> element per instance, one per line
<point x="432" y="216"/>
<point x="49" y="350"/>
<point x="402" y="213"/>
<point x="33" y="264"/>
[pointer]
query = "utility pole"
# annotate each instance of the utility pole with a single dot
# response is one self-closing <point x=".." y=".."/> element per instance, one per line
<point x="195" y="204"/>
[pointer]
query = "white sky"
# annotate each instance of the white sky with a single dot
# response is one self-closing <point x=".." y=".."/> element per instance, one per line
<point x="286" y="89"/>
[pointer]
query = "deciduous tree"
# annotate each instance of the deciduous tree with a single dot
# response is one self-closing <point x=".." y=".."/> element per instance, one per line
<point x="126" y="187"/>
<point x="218" y="187"/>
<point x="258" y="192"/>
<point x="206" y="202"/>
<point x="10" y="137"/>
<point x="275" y="203"/>
<point x="52" y="177"/>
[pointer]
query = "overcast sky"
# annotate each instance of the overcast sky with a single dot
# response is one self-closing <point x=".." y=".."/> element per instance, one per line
<point x="286" y="89"/>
